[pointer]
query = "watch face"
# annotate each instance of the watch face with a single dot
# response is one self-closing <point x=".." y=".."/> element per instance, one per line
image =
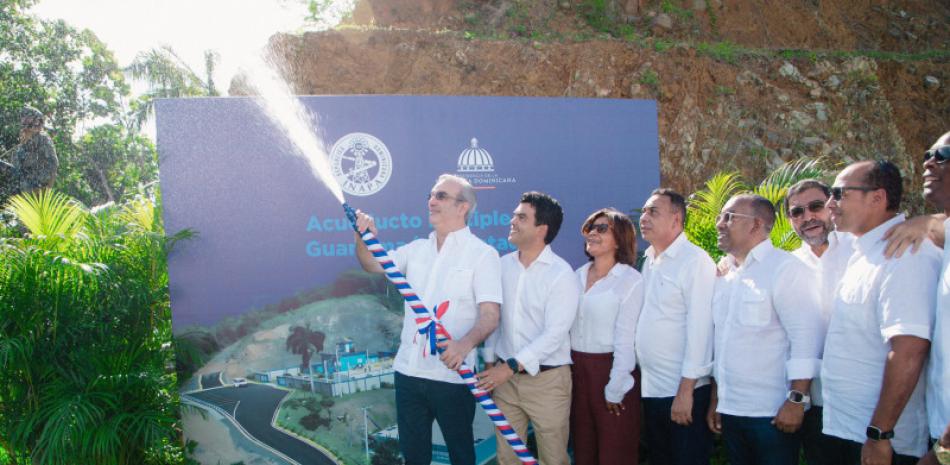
<point x="796" y="397"/>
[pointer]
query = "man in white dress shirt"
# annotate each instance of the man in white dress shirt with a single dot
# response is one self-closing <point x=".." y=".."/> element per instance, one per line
<point x="879" y="333"/>
<point x="531" y="381"/>
<point x="937" y="193"/>
<point x="768" y="337"/>
<point x="827" y="252"/>
<point x="454" y="266"/>
<point x="674" y="339"/>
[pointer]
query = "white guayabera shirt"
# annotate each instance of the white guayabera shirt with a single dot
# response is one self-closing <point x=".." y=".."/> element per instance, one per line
<point x="877" y="299"/>
<point x="607" y="323"/>
<point x="768" y="331"/>
<point x="675" y="331"/>
<point x="465" y="272"/>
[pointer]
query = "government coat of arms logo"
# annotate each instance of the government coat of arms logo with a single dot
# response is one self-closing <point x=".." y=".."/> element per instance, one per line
<point x="361" y="163"/>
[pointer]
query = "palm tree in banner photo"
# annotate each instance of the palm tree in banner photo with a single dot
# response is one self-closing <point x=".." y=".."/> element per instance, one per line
<point x="301" y="340"/>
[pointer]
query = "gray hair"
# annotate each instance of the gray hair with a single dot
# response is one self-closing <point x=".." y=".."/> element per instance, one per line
<point x="467" y="194"/>
<point x="762" y="209"/>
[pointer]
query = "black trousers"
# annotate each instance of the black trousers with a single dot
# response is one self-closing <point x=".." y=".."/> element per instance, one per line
<point x="669" y="443"/>
<point x="419" y="401"/>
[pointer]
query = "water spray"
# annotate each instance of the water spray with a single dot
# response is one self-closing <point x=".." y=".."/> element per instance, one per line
<point x="288" y="114"/>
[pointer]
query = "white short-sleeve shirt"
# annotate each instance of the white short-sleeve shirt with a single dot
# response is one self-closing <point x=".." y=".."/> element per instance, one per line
<point x="877" y="299"/>
<point x="768" y="331"/>
<point x="465" y="272"/>
<point x="938" y="387"/>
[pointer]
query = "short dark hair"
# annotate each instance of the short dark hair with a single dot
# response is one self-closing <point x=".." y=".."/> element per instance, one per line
<point x="886" y="175"/>
<point x="676" y="200"/>
<point x="762" y="209"/>
<point x="804" y="185"/>
<point x="547" y="211"/>
<point x="625" y="235"/>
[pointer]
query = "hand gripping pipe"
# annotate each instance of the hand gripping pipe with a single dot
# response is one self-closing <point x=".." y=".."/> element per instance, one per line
<point x="429" y="325"/>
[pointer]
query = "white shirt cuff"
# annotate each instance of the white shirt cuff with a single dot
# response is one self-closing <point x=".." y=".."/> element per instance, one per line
<point x="802" y="368"/>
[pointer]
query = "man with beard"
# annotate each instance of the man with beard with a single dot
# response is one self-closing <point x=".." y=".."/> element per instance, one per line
<point x="768" y="334"/>
<point x="879" y="331"/>
<point x="826" y="252"/>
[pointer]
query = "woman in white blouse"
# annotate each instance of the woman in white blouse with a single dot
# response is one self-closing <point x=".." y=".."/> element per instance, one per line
<point x="605" y="408"/>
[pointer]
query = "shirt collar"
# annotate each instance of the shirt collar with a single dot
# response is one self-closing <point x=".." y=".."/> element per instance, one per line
<point x="871" y="238"/>
<point x="757" y="254"/>
<point x="546" y="256"/>
<point x="670" y="251"/>
<point x="454" y="236"/>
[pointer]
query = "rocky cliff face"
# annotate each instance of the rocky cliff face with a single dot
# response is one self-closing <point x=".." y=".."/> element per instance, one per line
<point x="740" y="87"/>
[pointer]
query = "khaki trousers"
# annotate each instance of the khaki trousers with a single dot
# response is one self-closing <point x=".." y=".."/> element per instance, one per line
<point x="544" y="401"/>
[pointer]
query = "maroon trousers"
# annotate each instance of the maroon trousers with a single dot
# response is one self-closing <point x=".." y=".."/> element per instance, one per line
<point x="602" y="438"/>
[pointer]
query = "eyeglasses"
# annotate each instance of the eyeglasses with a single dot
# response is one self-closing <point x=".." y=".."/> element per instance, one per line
<point x="814" y="206"/>
<point x="442" y="196"/>
<point x="728" y="216"/>
<point x="601" y="228"/>
<point x="838" y="191"/>
<point x="939" y="154"/>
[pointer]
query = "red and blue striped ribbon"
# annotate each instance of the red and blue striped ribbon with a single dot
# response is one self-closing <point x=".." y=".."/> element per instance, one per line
<point x="429" y="325"/>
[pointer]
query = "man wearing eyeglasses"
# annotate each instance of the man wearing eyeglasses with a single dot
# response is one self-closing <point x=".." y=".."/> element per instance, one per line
<point x="826" y="252"/>
<point x="454" y="266"/>
<point x="768" y="337"/>
<point x="937" y="193"/>
<point x="879" y="332"/>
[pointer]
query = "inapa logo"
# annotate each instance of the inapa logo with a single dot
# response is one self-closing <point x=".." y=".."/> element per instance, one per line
<point x="361" y="163"/>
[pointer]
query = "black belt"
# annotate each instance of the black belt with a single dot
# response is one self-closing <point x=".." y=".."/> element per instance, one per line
<point x="540" y="367"/>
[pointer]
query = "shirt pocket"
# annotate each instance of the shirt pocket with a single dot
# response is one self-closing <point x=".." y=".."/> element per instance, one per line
<point x="755" y="308"/>
<point x="458" y="285"/>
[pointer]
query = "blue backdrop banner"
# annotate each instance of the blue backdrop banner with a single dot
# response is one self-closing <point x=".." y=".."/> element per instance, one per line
<point x="289" y="346"/>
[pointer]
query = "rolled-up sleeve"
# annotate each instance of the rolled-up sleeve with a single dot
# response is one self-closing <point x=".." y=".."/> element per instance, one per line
<point x="625" y="354"/>
<point x="908" y="299"/>
<point x="486" y="281"/>
<point x="699" y="282"/>
<point x="797" y="301"/>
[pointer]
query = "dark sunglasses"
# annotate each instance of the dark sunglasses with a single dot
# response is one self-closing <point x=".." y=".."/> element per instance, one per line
<point x="600" y="228"/>
<point x="939" y="154"/>
<point x="814" y="206"/>
<point x="838" y="191"/>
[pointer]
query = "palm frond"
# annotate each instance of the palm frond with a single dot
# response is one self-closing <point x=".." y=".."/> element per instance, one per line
<point x="47" y="213"/>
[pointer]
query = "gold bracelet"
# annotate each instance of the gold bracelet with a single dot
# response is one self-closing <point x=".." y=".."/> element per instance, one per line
<point x="942" y="453"/>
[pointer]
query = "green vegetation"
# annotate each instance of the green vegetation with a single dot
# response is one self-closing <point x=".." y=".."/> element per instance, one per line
<point x="705" y="204"/>
<point x="84" y="335"/>
<point x="668" y="7"/>
<point x="650" y="78"/>
<point x="339" y="426"/>
<point x="723" y="51"/>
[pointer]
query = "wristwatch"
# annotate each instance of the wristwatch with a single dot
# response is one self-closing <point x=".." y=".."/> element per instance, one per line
<point x="798" y="397"/>
<point x="875" y="434"/>
<point x="513" y="364"/>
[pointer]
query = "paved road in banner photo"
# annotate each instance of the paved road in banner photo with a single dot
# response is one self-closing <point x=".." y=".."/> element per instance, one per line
<point x="254" y="412"/>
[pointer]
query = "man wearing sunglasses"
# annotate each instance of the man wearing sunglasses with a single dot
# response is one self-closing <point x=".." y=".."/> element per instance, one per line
<point x="879" y="332"/>
<point x="768" y="334"/>
<point x="826" y="252"/>
<point x="937" y="193"/>
<point x="454" y="266"/>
